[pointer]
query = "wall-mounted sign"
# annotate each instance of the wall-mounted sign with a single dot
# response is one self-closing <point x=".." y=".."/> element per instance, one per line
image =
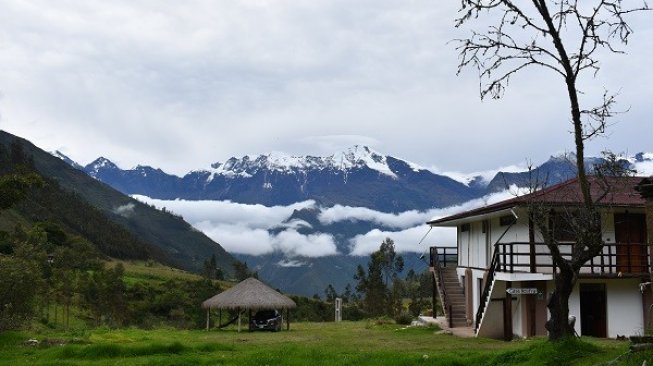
<point x="522" y="291"/>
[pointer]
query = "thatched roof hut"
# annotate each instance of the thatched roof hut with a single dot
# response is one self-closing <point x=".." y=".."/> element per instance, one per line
<point x="250" y="294"/>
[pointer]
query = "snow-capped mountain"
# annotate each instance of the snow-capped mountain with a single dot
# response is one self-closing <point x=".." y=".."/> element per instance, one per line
<point x="357" y="157"/>
<point x="66" y="159"/>
<point x="358" y="176"/>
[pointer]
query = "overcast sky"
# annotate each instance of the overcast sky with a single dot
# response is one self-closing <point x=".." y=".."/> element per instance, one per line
<point x="179" y="85"/>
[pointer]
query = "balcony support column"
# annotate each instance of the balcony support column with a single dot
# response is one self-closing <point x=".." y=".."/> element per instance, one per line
<point x="507" y="315"/>
<point x="531" y="244"/>
<point x="645" y="189"/>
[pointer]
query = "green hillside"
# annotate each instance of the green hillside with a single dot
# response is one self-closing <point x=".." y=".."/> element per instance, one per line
<point x="118" y="225"/>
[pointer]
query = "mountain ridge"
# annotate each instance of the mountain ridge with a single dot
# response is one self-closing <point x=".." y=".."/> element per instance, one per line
<point x="357" y="177"/>
<point x="184" y="245"/>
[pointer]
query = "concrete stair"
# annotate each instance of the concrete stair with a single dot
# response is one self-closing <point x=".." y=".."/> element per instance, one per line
<point x="456" y="297"/>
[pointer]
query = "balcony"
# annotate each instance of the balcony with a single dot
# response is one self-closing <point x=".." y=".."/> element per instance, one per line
<point x="615" y="260"/>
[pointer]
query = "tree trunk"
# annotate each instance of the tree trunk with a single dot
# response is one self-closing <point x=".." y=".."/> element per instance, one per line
<point x="558" y="305"/>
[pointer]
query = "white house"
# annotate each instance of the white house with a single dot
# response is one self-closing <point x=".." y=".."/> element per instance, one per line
<point x="505" y="273"/>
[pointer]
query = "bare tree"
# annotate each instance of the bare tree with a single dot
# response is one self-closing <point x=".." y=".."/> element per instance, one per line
<point x="565" y="37"/>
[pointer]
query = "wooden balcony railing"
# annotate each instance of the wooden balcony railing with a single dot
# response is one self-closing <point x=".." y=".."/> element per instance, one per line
<point x="616" y="259"/>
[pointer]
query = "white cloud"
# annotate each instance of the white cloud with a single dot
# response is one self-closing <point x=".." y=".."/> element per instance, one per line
<point x="238" y="238"/>
<point x="644" y="168"/>
<point x="408" y="239"/>
<point x="405" y="240"/>
<point x="399" y="221"/>
<point x="294" y="244"/>
<point x="411" y="218"/>
<point x="125" y="210"/>
<point x="226" y="212"/>
<point x="292" y="263"/>
<point x="243" y="229"/>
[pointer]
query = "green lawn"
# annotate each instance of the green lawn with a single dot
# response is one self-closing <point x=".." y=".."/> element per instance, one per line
<point x="347" y="343"/>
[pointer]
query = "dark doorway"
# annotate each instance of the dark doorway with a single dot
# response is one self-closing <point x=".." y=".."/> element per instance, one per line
<point x="593" y="310"/>
<point x="630" y="235"/>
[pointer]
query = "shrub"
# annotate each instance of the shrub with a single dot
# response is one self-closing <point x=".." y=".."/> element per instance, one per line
<point x="404" y="318"/>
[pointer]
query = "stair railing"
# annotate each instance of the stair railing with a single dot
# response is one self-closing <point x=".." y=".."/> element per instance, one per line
<point x="494" y="266"/>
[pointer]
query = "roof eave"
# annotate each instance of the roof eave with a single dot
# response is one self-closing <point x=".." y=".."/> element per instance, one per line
<point x="453" y="221"/>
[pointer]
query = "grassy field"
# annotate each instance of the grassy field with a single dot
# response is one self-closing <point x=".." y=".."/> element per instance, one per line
<point x="347" y="343"/>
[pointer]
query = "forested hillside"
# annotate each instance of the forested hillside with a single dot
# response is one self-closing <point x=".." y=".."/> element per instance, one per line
<point x="117" y="225"/>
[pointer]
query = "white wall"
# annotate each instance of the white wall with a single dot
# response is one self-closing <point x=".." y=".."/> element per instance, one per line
<point x="624" y="306"/>
<point x="473" y="244"/>
<point x="476" y="288"/>
<point x="475" y="252"/>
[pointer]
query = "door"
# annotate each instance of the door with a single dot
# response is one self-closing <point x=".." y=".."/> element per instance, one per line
<point x="488" y="243"/>
<point x="630" y="235"/>
<point x="593" y="310"/>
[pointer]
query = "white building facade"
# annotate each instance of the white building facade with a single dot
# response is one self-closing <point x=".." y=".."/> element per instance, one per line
<point x="507" y="274"/>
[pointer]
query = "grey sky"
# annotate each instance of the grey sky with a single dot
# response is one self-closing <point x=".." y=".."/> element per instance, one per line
<point x="179" y="85"/>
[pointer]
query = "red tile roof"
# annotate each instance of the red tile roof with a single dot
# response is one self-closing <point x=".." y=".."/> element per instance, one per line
<point x="606" y="191"/>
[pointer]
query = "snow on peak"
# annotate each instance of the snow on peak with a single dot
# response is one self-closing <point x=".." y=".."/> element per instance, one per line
<point x="59" y="154"/>
<point x="354" y="157"/>
<point x="100" y="164"/>
<point x="66" y="159"/>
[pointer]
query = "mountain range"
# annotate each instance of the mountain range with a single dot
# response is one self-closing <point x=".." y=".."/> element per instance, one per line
<point x="357" y="177"/>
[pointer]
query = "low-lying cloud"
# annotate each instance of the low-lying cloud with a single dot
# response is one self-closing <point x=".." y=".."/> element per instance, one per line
<point x="644" y="168"/>
<point x="246" y="229"/>
<point x="408" y="219"/>
<point x="125" y="210"/>
<point x="408" y="238"/>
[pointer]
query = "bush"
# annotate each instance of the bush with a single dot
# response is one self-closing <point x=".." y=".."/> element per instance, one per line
<point x="353" y="312"/>
<point x="404" y="318"/>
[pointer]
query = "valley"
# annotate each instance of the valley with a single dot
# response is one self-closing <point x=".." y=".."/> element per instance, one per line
<point x="304" y="222"/>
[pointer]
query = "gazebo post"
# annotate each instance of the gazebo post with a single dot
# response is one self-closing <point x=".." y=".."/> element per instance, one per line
<point x="239" y="312"/>
<point x="287" y="318"/>
<point x="220" y="318"/>
<point x="208" y="318"/>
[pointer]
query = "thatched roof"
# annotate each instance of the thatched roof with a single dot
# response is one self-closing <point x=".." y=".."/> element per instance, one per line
<point x="249" y="294"/>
